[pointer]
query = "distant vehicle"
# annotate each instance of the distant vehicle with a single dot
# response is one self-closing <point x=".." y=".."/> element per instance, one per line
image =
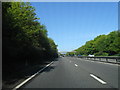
<point x="79" y="55"/>
<point x="91" y="55"/>
<point x="60" y="56"/>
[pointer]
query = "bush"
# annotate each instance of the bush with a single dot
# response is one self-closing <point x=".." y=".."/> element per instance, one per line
<point x="101" y="54"/>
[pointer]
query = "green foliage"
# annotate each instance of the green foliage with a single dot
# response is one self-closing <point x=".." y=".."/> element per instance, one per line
<point x="24" y="38"/>
<point x="70" y="53"/>
<point x="101" y="54"/>
<point x="102" y="45"/>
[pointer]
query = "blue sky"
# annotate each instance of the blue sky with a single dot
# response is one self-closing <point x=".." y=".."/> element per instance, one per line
<point x="71" y="24"/>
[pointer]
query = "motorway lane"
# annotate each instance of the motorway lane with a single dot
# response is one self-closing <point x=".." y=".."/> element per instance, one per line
<point x="106" y="71"/>
<point x="69" y="72"/>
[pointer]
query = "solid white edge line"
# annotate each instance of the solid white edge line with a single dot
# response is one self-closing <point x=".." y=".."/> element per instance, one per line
<point x="18" y="86"/>
<point x="76" y="65"/>
<point x="101" y="62"/>
<point x="101" y="81"/>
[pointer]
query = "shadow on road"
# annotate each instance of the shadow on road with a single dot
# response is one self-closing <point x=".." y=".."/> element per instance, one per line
<point x="56" y="59"/>
<point x="25" y="72"/>
<point x="50" y="68"/>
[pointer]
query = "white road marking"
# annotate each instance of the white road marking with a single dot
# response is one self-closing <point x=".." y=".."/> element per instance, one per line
<point x="100" y="62"/>
<point x="48" y="65"/>
<point x="18" y="86"/>
<point x="105" y="63"/>
<point x="70" y="61"/>
<point x="108" y="63"/>
<point x="101" y="81"/>
<point x="76" y="65"/>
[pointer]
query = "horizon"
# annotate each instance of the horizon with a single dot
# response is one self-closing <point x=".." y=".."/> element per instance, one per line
<point x="72" y="24"/>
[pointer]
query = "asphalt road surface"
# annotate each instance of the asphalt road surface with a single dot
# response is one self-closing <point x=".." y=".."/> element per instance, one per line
<point x="71" y="72"/>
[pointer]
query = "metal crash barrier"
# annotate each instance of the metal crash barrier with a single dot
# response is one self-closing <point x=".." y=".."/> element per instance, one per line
<point x="108" y="59"/>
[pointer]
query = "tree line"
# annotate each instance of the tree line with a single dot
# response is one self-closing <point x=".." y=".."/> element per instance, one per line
<point x="24" y="38"/>
<point x="102" y="45"/>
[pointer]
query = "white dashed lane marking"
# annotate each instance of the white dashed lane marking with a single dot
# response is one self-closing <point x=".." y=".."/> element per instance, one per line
<point x="98" y="79"/>
<point x="76" y="65"/>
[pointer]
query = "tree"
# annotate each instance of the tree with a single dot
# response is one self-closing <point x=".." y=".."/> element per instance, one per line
<point x="102" y="45"/>
<point x="24" y="38"/>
